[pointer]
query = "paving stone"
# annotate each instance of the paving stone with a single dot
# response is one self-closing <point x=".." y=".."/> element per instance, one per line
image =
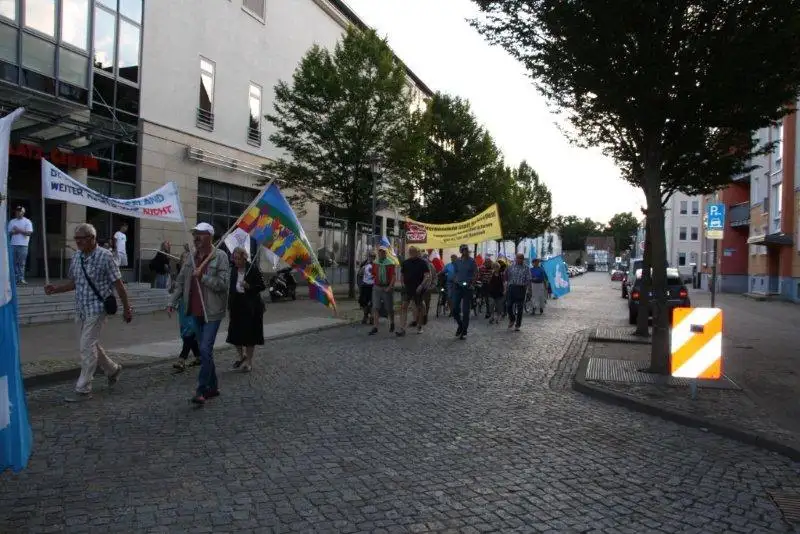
<point x="338" y="431"/>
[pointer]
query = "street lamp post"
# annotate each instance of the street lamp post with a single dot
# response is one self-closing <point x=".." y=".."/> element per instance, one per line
<point x="374" y="169"/>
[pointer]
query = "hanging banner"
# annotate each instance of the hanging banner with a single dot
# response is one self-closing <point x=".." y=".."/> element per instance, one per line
<point x="16" y="437"/>
<point x="163" y="204"/>
<point x="483" y="227"/>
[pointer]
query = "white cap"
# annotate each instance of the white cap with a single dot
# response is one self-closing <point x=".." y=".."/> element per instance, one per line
<point x="204" y="227"/>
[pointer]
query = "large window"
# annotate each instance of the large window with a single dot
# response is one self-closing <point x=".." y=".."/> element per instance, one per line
<point x="695" y="207"/>
<point x="254" y="122"/>
<point x="684" y="207"/>
<point x="205" y="108"/>
<point x="682" y="233"/>
<point x="221" y="204"/>
<point x="777" y="154"/>
<point x="105" y="33"/>
<point x="695" y="233"/>
<point x="131" y="9"/>
<point x="681" y="259"/>
<point x="40" y="15"/>
<point x="776" y="203"/>
<point x="75" y="23"/>
<point x="8" y="9"/>
<point x="256" y="7"/>
<point x="128" y="51"/>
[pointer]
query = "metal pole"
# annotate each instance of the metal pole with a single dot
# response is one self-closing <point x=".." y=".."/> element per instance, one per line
<point x="44" y="244"/>
<point x="714" y="274"/>
<point x="374" y="205"/>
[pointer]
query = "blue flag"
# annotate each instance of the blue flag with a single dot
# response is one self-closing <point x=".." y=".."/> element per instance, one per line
<point x="557" y="275"/>
<point x="15" y="431"/>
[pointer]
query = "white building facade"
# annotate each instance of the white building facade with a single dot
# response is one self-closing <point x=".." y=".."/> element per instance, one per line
<point x="683" y="223"/>
<point x="205" y="92"/>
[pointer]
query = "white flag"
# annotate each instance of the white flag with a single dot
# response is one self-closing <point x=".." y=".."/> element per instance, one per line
<point x="238" y="239"/>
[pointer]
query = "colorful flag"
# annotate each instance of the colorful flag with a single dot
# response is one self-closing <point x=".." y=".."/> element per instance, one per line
<point x="556" y="271"/>
<point x="273" y="224"/>
<point x="16" y="437"/>
<point x="389" y="250"/>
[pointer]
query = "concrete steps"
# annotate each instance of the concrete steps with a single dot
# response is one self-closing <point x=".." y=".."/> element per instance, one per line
<point x="37" y="308"/>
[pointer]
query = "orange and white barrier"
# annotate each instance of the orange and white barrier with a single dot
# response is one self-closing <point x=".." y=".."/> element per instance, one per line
<point x="696" y="343"/>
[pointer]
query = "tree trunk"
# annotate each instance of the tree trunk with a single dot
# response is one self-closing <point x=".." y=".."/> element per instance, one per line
<point x="351" y="259"/>
<point x="659" y="355"/>
<point x="643" y="319"/>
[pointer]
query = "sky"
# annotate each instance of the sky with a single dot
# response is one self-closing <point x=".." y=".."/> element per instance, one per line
<point x="438" y="45"/>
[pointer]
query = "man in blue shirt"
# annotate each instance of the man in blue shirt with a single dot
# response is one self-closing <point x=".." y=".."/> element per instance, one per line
<point x="449" y="277"/>
<point x="466" y="272"/>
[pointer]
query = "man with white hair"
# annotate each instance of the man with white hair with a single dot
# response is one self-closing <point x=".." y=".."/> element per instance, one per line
<point x="94" y="276"/>
<point x="20" y="229"/>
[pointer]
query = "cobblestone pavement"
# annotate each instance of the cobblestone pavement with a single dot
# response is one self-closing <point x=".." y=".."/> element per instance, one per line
<point x="341" y="432"/>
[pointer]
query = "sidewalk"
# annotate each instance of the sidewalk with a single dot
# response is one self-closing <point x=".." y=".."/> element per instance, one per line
<point x="50" y="352"/>
<point x="760" y="401"/>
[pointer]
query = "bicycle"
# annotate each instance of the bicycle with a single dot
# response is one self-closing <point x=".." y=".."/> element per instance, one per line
<point x="442" y="302"/>
<point x="477" y="299"/>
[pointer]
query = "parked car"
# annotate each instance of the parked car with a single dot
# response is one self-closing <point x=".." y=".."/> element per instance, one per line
<point x="625" y="285"/>
<point x="617" y="275"/>
<point x="677" y="295"/>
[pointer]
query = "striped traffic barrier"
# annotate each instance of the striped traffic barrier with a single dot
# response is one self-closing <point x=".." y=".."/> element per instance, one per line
<point x="696" y="343"/>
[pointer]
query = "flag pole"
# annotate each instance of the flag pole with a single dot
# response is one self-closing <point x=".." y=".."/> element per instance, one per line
<point x="44" y="231"/>
<point x="192" y="252"/>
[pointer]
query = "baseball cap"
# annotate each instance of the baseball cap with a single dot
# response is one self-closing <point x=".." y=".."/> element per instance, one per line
<point x="204" y="227"/>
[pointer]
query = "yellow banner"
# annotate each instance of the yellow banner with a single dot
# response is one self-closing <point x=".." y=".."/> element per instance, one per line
<point x="483" y="227"/>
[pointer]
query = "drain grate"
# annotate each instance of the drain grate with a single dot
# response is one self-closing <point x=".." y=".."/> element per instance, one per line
<point x="606" y="370"/>
<point x="788" y="503"/>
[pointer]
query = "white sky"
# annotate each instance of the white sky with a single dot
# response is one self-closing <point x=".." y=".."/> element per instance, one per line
<point x="435" y="41"/>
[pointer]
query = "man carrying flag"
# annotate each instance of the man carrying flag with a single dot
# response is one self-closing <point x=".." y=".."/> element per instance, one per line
<point x="385" y="273"/>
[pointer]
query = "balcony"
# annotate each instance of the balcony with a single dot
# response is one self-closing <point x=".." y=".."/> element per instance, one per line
<point x="741" y="178"/>
<point x="739" y="215"/>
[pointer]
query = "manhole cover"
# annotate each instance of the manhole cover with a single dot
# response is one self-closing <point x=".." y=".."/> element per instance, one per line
<point x="788" y="503"/>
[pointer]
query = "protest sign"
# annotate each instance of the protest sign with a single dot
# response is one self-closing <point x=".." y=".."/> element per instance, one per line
<point x="483" y="227"/>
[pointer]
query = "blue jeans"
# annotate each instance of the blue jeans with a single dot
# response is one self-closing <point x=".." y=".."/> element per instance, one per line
<point x="462" y="305"/>
<point x="162" y="281"/>
<point x="207" y="379"/>
<point x="20" y="259"/>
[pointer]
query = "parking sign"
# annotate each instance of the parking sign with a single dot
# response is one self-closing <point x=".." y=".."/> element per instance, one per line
<point x="715" y="221"/>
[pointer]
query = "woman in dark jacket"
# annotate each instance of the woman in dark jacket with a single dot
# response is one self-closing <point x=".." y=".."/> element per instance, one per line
<point x="160" y="266"/>
<point x="246" y="325"/>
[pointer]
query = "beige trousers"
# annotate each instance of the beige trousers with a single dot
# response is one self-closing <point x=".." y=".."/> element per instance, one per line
<point x="92" y="353"/>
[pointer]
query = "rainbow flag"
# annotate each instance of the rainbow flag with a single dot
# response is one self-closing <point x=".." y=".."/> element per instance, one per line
<point x="389" y="250"/>
<point x="273" y="224"/>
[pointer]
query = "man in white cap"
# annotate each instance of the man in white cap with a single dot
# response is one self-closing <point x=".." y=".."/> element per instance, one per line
<point x="20" y="229"/>
<point x="203" y="286"/>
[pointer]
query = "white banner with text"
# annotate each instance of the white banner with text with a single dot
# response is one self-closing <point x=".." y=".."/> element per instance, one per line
<point x="163" y="204"/>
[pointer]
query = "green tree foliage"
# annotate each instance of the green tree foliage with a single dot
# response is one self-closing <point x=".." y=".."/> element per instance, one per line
<point x="342" y="109"/>
<point x="671" y="90"/>
<point x="621" y="227"/>
<point x="574" y="231"/>
<point x="462" y="165"/>
<point x="525" y="204"/>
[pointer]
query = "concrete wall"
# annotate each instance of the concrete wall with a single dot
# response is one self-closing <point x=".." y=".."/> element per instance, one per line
<point x="244" y="50"/>
<point x="163" y="159"/>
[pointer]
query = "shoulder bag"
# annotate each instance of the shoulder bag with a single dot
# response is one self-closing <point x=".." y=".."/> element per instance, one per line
<point x="110" y="302"/>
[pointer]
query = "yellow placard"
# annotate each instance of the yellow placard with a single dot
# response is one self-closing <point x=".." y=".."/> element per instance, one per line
<point x="483" y="227"/>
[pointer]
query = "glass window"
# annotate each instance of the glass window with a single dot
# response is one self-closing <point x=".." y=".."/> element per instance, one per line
<point x="131" y="9"/>
<point x="103" y="90"/>
<point x="206" y="85"/>
<point x="204" y="204"/>
<point x="40" y="15"/>
<point x="124" y="173"/>
<point x="119" y="190"/>
<point x="255" y="107"/>
<point x="204" y="188"/>
<point x="128" y="98"/>
<point x="8" y="44"/>
<point x="695" y="207"/>
<point x="110" y="4"/>
<point x="75" y="22"/>
<point x="8" y="9"/>
<point x="104" y="40"/>
<point x="684" y="207"/>
<point x="101" y="186"/>
<point x="256" y="7"/>
<point x="38" y="55"/>
<point x="72" y="67"/>
<point x="682" y="233"/>
<point x="681" y="259"/>
<point x="695" y="233"/>
<point x="128" y="61"/>
<point x="125" y="153"/>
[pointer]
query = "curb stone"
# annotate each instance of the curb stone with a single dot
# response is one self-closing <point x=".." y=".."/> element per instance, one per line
<point x="581" y="385"/>
<point x="66" y="375"/>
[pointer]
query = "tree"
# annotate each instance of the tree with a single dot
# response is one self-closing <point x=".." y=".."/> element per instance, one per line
<point x="342" y="110"/>
<point x="529" y="205"/>
<point x="671" y="90"/>
<point x="462" y="165"/>
<point x="574" y="231"/>
<point x="621" y="227"/>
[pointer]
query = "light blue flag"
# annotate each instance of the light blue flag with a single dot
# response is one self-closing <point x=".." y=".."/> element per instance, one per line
<point x="557" y="275"/>
<point x="15" y="431"/>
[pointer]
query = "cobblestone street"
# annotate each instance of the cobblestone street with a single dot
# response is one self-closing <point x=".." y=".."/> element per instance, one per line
<point x="341" y="432"/>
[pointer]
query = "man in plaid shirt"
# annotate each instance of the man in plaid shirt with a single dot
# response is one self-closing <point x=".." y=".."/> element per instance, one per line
<point x="95" y="263"/>
<point x="518" y="280"/>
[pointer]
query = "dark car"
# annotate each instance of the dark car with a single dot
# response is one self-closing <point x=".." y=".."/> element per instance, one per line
<point x="677" y="295"/>
<point x="627" y="279"/>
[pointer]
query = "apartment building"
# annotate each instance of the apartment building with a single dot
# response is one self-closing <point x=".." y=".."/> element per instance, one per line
<point x="126" y="95"/>
<point x="760" y="252"/>
<point x="683" y="223"/>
